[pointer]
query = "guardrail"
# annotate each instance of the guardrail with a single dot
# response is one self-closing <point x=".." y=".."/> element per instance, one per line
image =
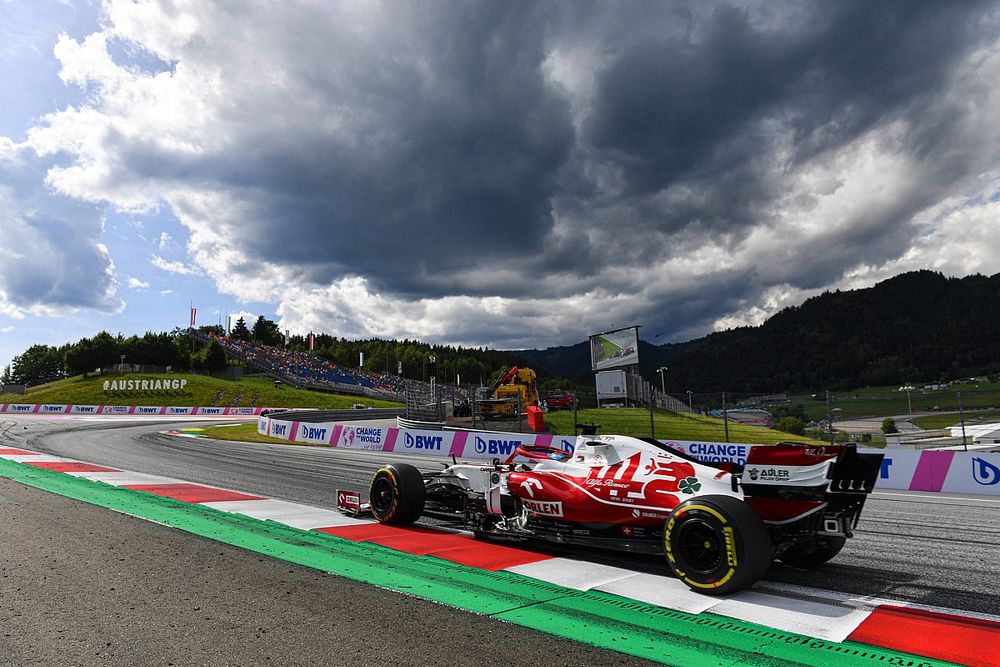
<point x="314" y="416"/>
<point x="933" y="471"/>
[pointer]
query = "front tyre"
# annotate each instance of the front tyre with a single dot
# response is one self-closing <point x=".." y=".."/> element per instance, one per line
<point x="814" y="552"/>
<point x="717" y="544"/>
<point x="397" y="494"/>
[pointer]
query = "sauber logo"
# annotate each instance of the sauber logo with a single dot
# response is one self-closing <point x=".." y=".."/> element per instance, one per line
<point x="544" y="508"/>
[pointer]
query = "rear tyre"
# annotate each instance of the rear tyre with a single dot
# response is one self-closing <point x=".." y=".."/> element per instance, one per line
<point x="813" y="553"/>
<point x="717" y="544"/>
<point x="397" y="494"/>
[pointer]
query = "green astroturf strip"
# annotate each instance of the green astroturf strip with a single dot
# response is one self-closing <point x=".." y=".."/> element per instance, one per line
<point x="595" y="618"/>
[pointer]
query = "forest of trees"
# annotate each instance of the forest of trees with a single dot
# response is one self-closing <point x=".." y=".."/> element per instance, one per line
<point x="918" y="326"/>
<point x="43" y="363"/>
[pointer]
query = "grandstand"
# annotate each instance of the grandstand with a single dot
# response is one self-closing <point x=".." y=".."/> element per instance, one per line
<point x="301" y="369"/>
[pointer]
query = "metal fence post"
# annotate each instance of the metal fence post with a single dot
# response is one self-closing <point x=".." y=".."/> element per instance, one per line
<point x="829" y="416"/>
<point x="652" y="428"/>
<point x="725" y="416"/>
<point x="961" y="416"/>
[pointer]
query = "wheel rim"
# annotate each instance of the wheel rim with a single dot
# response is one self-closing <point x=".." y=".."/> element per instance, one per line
<point x="382" y="495"/>
<point x="700" y="546"/>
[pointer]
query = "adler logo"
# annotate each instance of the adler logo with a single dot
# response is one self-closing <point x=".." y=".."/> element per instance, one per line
<point x="767" y="474"/>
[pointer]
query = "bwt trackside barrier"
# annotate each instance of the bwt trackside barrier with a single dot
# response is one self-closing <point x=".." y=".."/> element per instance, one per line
<point x="52" y="409"/>
<point x="936" y="471"/>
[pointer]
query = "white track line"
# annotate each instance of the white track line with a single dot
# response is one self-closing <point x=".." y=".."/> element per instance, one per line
<point x="37" y="458"/>
<point x="125" y="478"/>
<point x="295" y="515"/>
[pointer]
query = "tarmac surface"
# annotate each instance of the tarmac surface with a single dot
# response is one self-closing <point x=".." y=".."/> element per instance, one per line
<point x="83" y="585"/>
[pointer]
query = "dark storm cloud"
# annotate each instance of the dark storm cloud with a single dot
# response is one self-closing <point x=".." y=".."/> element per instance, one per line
<point x="449" y="156"/>
<point x="560" y="151"/>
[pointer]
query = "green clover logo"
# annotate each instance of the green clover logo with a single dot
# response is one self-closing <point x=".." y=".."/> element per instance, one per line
<point x="690" y="485"/>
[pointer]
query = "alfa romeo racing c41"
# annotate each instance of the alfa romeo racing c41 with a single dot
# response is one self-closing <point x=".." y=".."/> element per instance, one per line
<point x="719" y="525"/>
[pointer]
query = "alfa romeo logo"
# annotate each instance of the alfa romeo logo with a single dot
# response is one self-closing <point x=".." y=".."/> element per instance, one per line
<point x="690" y="485"/>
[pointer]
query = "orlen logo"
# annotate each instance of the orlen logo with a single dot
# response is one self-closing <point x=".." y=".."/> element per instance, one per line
<point x="544" y="508"/>
<point x="484" y="446"/>
<point x="984" y="472"/>
<point x="411" y="441"/>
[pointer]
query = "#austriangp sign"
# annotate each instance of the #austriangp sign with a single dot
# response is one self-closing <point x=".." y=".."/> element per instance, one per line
<point x="143" y="385"/>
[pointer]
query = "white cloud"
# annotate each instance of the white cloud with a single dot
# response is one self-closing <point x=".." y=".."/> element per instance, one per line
<point x="137" y="284"/>
<point x="53" y="261"/>
<point x="166" y="292"/>
<point x="180" y="268"/>
<point x="165" y="241"/>
<point x="6" y="329"/>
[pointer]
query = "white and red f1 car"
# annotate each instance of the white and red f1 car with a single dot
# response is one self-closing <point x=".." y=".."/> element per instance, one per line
<point x="720" y="525"/>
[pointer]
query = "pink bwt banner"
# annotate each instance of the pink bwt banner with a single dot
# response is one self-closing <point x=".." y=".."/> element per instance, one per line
<point x="49" y="409"/>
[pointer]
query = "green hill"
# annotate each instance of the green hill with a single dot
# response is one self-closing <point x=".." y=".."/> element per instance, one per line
<point x="199" y="390"/>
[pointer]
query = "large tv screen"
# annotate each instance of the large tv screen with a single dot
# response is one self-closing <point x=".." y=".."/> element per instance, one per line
<point x="613" y="349"/>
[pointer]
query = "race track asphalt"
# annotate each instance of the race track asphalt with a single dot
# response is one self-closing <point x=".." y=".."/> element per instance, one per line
<point x="930" y="549"/>
<point x="82" y="585"/>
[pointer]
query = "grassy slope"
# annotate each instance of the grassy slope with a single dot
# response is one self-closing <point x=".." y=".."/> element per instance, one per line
<point x="953" y="419"/>
<point x="678" y="426"/>
<point x="200" y="391"/>
<point x="871" y="401"/>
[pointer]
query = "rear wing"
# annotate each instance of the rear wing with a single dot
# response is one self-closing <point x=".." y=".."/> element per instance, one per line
<point x="808" y="490"/>
<point x="803" y="472"/>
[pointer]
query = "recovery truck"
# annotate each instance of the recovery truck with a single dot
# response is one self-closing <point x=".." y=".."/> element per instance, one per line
<point x="513" y="389"/>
